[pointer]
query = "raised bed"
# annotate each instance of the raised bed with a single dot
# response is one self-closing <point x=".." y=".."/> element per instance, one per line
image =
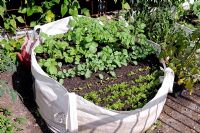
<point x="64" y="111"/>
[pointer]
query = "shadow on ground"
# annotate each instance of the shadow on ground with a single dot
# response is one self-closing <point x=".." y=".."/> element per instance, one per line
<point x="22" y="81"/>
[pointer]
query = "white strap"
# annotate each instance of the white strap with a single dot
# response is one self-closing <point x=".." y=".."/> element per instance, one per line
<point x="71" y="122"/>
<point x="170" y="79"/>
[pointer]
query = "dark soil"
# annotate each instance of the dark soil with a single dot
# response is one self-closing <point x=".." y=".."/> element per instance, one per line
<point x="191" y="18"/>
<point x="17" y="108"/>
<point x="82" y="86"/>
<point x="94" y="83"/>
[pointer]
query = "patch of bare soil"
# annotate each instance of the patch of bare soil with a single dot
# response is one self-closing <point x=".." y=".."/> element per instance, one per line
<point x="17" y="108"/>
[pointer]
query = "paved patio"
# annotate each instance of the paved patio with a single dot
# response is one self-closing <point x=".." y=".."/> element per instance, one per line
<point x="180" y="114"/>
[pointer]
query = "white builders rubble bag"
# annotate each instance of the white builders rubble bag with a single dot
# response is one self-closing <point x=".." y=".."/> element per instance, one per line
<point x="69" y="112"/>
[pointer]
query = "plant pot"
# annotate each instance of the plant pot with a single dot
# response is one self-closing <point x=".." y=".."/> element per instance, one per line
<point x="68" y="112"/>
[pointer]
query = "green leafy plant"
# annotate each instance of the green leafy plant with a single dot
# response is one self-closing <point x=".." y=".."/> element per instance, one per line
<point x="9" y="20"/>
<point x="4" y="88"/>
<point x="8" y="125"/>
<point x="181" y="48"/>
<point x="159" y="16"/>
<point x="196" y="8"/>
<point x="93" y="45"/>
<point x="158" y="22"/>
<point x="8" y="53"/>
<point x="36" y="12"/>
<point x="49" y="10"/>
<point x="190" y="17"/>
<point x="6" y="64"/>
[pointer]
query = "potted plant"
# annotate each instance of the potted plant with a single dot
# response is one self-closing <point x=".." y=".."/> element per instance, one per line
<point x="92" y="46"/>
<point x="181" y="48"/>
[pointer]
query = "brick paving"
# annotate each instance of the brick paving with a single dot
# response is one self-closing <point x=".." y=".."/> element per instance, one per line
<point x="180" y="114"/>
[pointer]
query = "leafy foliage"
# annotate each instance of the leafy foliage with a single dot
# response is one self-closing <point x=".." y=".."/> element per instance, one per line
<point x="181" y="49"/>
<point x="196" y="8"/>
<point x="6" y="64"/>
<point x="93" y="45"/>
<point x="9" y="20"/>
<point x="158" y="23"/>
<point x="191" y="17"/>
<point x="126" y="95"/>
<point x="4" y="88"/>
<point x="38" y="12"/>
<point x="147" y="6"/>
<point x="8" y="50"/>
<point x="158" y="15"/>
<point x="48" y="10"/>
<point x="7" y="125"/>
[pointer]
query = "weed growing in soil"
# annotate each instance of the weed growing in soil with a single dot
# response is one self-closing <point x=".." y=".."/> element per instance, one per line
<point x="139" y="70"/>
<point x="4" y="88"/>
<point x="8" y="125"/>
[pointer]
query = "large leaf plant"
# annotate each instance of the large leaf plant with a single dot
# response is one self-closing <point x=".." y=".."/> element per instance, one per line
<point x="180" y="50"/>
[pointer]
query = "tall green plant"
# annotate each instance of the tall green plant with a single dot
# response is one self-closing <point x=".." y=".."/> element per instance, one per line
<point x="158" y="23"/>
<point x="47" y="11"/>
<point x="181" y="49"/>
<point x="2" y="7"/>
<point x="37" y="12"/>
<point x="9" y="20"/>
<point x="196" y="8"/>
<point x="158" y="16"/>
